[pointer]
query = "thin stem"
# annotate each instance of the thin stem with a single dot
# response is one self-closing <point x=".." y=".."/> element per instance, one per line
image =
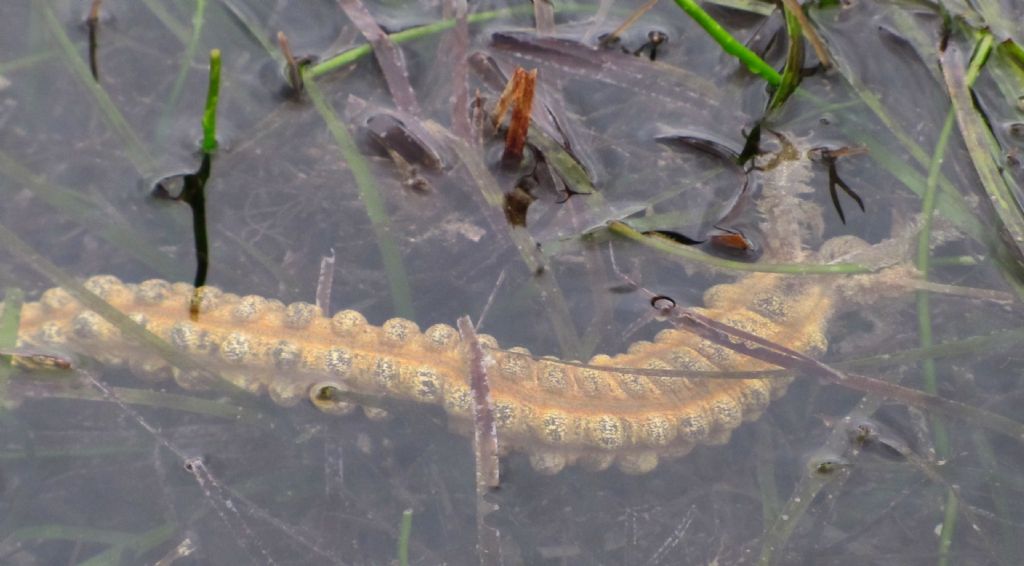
<point x="198" y="17"/>
<point x="352" y="55"/>
<point x="403" y="538"/>
<point x="10" y="316"/>
<point x="923" y="259"/>
<point x="212" y="97"/>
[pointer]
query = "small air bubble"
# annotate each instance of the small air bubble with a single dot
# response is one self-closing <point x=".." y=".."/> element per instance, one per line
<point x="663" y="302"/>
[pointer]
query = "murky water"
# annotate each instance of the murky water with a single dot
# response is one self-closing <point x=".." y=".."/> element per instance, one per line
<point x="114" y="470"/>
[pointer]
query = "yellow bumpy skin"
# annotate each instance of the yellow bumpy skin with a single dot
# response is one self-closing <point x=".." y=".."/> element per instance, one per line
<point x="559" y="414"/>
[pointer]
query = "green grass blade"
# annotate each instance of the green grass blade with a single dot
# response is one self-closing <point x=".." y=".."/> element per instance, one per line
<point x="198" y="17"/>
<point x="10" y="317"/>
<point x="354" y="54"/>
<point x="978" y="140"/>
<point x="403" y="538"/>
<point x="160" y="12"/>
<point x="401" y="292"/>
<point x="212" y="97"/>
<point x="729" y="44"/>
<point x="93" y="216"/>
<point x="794" y="62"/>
<point x="624" y="230"/>
<point x="137" y="152"/>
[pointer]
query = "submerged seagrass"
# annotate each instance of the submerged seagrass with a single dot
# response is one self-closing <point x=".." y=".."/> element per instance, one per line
<point x="558" y="413"/>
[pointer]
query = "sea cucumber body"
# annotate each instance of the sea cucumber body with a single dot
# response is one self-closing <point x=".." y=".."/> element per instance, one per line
<point x="559" y="414"/>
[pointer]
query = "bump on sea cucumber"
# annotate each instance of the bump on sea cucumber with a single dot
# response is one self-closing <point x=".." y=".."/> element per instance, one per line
<point x="347" y="323"/>
<point x="554" y="427"/>
<point x="606" y="432"/>
<point x="207" y="299"/>
<point x="442" y="337"/>
<point x="547" y="462"/>
<point x="487" y="341"/>
<point x="427" y="387"/>
<point x="632" y="384"/>
<point x="51" y="333"/>
<point x="772" y="306"/>
<point x="376" y="414"/>
<point x="235" y="348"/>
<point x="244" y="380"/>
<point x="300" y="315"/>
<point x="249" y="307"/>
<point x="593" y="383"/>
<point x="286" y="392"/>
<point x="286" y="355"/>
<point x="664" y="385"/>
<point x="107" y="287"/>
<point x="338" y="361"/>
<point x="458" y="399"/>
<point x="656" y="430"/>
<point x="515" y="365"/>
<point x="397" y="331"/>
<point x="87" y="325"/>
<point x="552" y="375"/>
<point x="152" y="292"/>
<point x="187" y="337"/>
<point x="726" y="413"/>
<point x="508" y="416"/>
<point x="636" y="463"/>
<point x="755" y="396"/>
<point x="687" y="359"/>
<point x="56" y="299"/>
<point x="385" y="372"/>
<point x="190" y="380"/>
<point x="140" y="319"/>
<point x="717" y="355"/>
<point x="695" y="424"/>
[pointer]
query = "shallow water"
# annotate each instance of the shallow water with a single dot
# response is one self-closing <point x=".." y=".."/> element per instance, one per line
<point x="241" y="480"/>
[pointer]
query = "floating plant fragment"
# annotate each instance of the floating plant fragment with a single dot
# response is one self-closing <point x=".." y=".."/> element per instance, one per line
<point x="733" y="243"/>
<point x="518" y="95"/>
<point x="389" y="56"/>
<point x="38" y="359"/>
<point x="673" y="236"/>
<point x="401" y="133"/>
<point x="654" y="39"/>
<point x="485" y="441"/>
<point x="706" y="142"/>
<point x="829" y="156"/>
<point x="516" y="202"/>
<point x="293" y="65"/>
<point x="551" y="131"/>
<point x="324" y="283"/>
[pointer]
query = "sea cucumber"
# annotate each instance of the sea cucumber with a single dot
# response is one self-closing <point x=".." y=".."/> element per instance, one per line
<point x="559" y="414"/>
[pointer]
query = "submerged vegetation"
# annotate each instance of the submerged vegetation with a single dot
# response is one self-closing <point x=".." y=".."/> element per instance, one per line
<point x="536" y="165"/>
